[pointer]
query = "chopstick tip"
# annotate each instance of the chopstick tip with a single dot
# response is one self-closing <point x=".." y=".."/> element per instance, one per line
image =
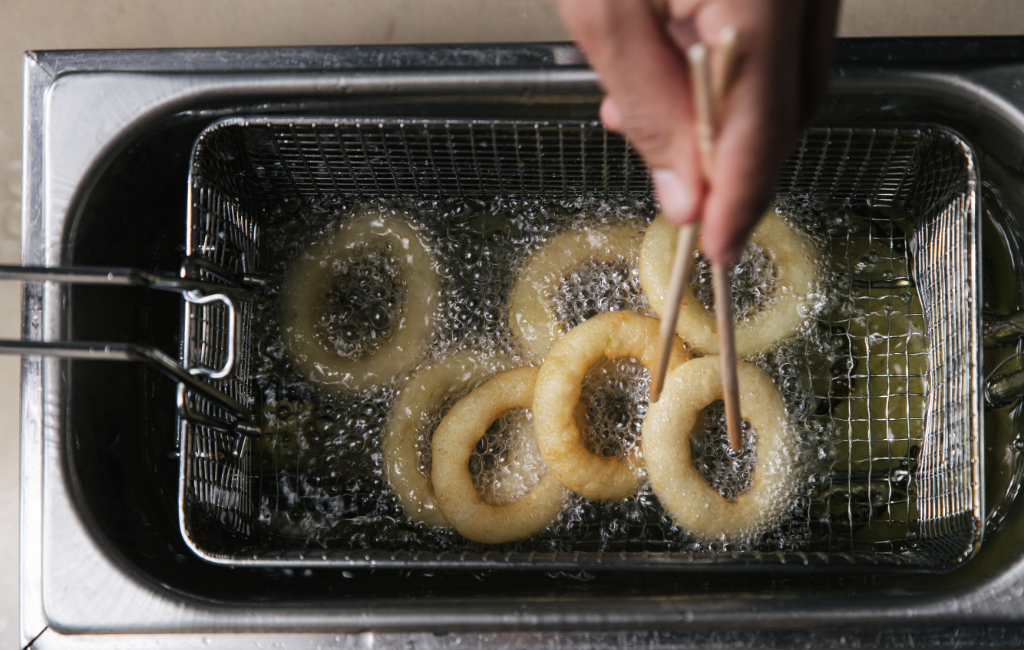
<point x="655" y="395"/>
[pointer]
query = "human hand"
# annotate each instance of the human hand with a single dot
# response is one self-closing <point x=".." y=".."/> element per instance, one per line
<point x="782" y="61"/>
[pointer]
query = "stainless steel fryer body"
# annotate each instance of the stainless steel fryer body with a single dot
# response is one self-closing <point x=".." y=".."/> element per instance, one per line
<point x="79" y="589"/>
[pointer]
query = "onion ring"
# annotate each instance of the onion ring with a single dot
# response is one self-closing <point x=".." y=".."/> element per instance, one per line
<point x="559" y="385"/>
<point x="453" y="443"/>
<point x="430" y="390"/>
<point x="311" y="278"/>
<point x="533" y="317"/>
<point x="696" y="506"/>
<point x="793" y="256"/>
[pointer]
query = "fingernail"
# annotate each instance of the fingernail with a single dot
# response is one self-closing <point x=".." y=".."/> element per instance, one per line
<point x="675" y="198"/>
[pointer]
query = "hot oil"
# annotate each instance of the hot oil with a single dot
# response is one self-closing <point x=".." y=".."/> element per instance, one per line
<point x="753" y="281"/>
<point x="613" y="403"/>
<point x="598" y="287"/>
<point x="358" y="314"/>
<point x="321" y="471"/>
<point x="725" y="470"/>
<point x="506" y="464"/>
<point x="1002" y="258"/>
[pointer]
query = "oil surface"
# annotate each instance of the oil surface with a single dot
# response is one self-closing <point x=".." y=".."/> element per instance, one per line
<point x="852" y="381"/>
<point x="1002" y="260"/>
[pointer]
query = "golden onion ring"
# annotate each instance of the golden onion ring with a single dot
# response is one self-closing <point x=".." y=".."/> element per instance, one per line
<point x="793" y="256"/>
<point x="453" y="444"/>
<point x="312" y="276"/>
<point x="697" y="507"/>
<point x="533" y="316"/>
<point x="431" y="391"/>
<point x="612" y="335"/>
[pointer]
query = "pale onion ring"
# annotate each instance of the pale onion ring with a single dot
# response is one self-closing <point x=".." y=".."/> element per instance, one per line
<point x="559" y="385"/>
<point x="533" y="316"/>
<point x="311" y="278"/>
<point x="793" y="256"/>
<point x="425" y="394"/>
<point x="695" y="506"/>
<point x="453" y="443"/>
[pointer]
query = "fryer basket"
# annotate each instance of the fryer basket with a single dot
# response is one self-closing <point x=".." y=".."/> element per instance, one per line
<point x="912" y="429"/>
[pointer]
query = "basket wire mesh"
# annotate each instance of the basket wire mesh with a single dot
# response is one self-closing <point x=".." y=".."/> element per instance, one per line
<point x="215" y="478"/>
<point x="905" y="485"/>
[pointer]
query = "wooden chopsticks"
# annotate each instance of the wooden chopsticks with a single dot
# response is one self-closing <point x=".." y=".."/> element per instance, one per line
<point x="708" y="94"/>
<point x="680" y="277"/>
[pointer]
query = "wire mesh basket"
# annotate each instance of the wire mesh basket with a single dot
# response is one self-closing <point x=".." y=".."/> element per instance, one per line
<point x="901" y="484"/>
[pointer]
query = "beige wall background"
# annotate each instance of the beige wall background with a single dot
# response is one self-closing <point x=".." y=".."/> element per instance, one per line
<point x="78" y="24"/>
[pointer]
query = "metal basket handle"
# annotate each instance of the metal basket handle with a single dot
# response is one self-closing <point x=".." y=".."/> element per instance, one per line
<point x="198" y="298"/>
<point x="195" y="291"/>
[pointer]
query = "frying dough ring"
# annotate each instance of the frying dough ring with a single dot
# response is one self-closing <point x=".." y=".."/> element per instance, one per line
<point x="424" y="393"/>
<point x="311" y="278"/>
<point x="453" y="445"/>
<point x="793" y="256"/>
<point x="696" y="506"/>
<point x="559" y="385"/>
<point x="533" y="317"/>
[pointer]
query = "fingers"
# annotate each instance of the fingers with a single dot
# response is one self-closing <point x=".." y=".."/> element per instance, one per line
<point x="778" y="79"/>
<point x="648" y="84"/>
<point x="745" y="172"/>
<point x="759" y="122"/>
